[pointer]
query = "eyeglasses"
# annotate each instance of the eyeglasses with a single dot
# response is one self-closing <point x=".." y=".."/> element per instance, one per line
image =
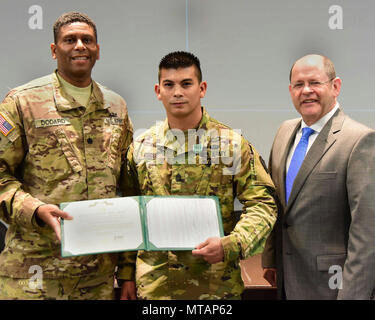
<point x="311" y="84"/>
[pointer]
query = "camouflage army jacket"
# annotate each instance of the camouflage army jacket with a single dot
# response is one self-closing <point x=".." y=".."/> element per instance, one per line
<point x="210" y="160"/>
<point x="53" y="150"/>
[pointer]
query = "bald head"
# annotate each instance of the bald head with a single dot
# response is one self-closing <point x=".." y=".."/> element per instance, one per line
<point x="314" y="87"/>
<point x="316" y="60"/>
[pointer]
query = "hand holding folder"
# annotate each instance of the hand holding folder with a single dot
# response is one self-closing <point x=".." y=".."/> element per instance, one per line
<point x="139" y="223"/>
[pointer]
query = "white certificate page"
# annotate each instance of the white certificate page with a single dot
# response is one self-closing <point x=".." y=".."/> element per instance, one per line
<point x="104" y="225"/>
<point x="181" y="223"/>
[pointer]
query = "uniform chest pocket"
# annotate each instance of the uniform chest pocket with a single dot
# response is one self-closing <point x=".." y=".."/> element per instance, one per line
<point x="219" y="182"/>
<point x="106" y="138"/>
<point x="52" y="156"/>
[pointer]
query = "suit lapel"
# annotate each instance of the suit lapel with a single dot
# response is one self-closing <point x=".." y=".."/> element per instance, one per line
<point x="321" y="145"/>
<point x="286" y="144"/>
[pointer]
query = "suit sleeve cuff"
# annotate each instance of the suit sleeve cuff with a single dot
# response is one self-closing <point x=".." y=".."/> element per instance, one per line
<point x="268" y="262"/>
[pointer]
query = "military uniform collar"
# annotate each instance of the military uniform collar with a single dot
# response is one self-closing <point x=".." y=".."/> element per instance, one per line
<point x="65" y="102"/>
<point x="166" y="141"/>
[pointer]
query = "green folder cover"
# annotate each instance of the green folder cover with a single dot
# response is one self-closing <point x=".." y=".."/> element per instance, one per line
<point x="152" y="223"/>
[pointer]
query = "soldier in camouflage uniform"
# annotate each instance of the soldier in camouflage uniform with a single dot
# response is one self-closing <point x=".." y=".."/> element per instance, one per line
<point x="212" y="159"/>
<point x="63" y="138"/>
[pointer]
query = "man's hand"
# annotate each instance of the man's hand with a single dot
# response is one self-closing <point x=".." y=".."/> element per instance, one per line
<point x="50" y="215"/>
<point x="128" y="291"/>
<point x="211" y="250"/>
<point x="270" y="275"/>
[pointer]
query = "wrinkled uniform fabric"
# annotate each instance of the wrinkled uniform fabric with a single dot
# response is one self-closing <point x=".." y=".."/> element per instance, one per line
<point x="160" y="165"/>
<point x="57" y="151"/>
<point x="90" y="287"/>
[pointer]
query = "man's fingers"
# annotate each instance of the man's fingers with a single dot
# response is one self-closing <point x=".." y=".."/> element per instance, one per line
<point x="61" y="214"/>
<point x="211" y="250"/>
<point x="201" y="245"/>
<point x="199" y="252"/>
<point x="65" y="215"/>
<point x="203" y="250"/>
<point x="58" y="234"/>
<point x="55" y="225"/>
<point x="51" y="214"/>
<point x="52" y="210"/>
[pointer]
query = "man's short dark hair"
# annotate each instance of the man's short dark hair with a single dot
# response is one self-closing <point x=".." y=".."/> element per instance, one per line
<point x="180" y="59"/>
<point x="70" y="17"/>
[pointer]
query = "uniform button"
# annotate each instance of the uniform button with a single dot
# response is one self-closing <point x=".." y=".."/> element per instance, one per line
<point x="89" y="141"/>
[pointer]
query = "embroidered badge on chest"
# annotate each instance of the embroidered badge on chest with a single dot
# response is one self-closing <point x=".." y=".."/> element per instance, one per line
<point x="42" y="123"/>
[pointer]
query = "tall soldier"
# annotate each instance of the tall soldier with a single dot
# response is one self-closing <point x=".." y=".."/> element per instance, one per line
<point x="62" y="138"/>
<point x="207" y="158"/>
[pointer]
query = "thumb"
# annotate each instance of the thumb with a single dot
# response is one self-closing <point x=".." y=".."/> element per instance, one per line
<point x="55" y="225"/>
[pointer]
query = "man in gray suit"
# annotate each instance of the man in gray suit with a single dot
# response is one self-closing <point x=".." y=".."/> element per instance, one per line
<point x="323" y="166"/>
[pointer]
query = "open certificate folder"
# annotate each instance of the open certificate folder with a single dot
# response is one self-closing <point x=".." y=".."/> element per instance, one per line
<point x="139" y="223"/>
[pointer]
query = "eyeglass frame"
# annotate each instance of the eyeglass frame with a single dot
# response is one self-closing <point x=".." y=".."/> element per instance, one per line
<point x="311" y="84"/>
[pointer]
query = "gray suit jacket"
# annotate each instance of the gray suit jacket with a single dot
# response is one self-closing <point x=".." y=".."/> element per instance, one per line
<point x="330" y="217"/>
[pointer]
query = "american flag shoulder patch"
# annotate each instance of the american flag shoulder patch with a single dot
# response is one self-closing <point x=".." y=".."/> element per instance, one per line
<point x="5" y="126"/>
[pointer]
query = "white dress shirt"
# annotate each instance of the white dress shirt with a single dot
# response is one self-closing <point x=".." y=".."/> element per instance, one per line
<point x="317" y="127"/>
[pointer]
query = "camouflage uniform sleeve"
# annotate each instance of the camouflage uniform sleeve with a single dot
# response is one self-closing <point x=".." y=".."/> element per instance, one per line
<point x="16" y="205"/>
<point x="255" y="190"/>
<point x="127" y="141"/>
<point x="269" y="253"/>
<point x="129" y="187"/>
<point x="129" y="183"/>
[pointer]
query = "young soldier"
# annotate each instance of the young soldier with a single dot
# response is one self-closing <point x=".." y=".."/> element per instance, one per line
<point x="208" y="158"/>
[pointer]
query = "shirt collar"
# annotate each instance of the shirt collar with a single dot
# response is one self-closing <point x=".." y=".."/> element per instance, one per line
<point x="162" y="140"/>
<point x="65" y="102"/>
<point x="318" y="126"/>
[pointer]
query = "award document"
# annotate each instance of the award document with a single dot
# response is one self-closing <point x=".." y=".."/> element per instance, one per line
<point x="139" y="223"/>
